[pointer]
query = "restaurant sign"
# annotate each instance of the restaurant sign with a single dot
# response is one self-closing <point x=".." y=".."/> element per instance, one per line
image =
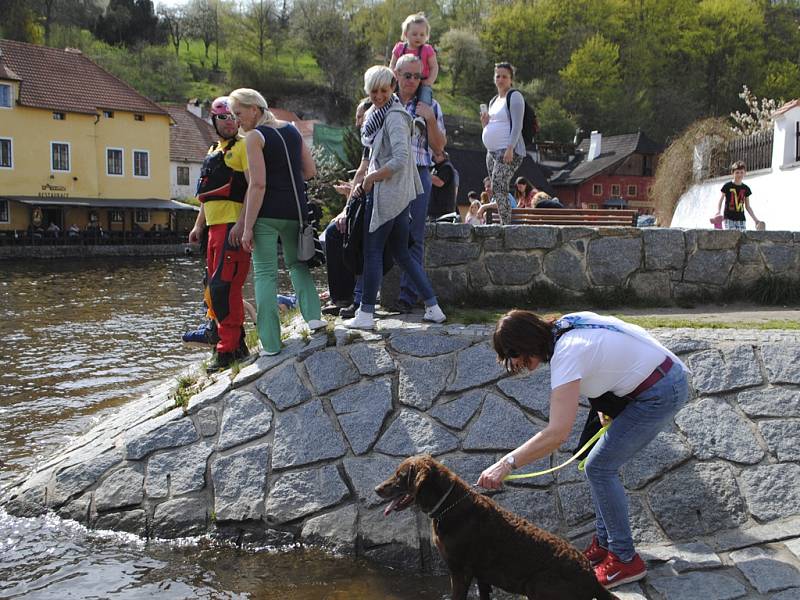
<point x="53" y="191"/>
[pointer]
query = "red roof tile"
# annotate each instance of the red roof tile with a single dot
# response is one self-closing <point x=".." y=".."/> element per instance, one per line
<point x="67" y="80"/>
<point x="190" y="137"/>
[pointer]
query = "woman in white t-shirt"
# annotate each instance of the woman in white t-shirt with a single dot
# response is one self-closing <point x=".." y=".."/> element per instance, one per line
<point x="590" y="355"/>
<point x="502" y="137"/>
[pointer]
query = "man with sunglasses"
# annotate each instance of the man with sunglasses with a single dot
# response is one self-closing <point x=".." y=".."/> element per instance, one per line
<point x="221" y="191"/>
<point x="408" y="72"/>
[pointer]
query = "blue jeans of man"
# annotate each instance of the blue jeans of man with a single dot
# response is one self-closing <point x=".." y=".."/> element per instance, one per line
<point x="393" y="233"/>
<point x="632" y="430"/>
<point x="419" y="213"/>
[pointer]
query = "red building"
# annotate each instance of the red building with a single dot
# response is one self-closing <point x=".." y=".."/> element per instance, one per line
<point x="612" y="172"/>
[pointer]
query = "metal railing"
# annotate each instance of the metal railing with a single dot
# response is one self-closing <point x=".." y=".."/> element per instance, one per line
<point x="755" y="150"/>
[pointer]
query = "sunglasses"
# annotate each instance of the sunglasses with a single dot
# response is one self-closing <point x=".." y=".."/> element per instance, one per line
<point x="225" y="117"/>
<point x="411" y="76"/>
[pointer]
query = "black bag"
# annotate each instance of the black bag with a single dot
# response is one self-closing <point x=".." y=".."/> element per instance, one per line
<point x="530" y="122"/>
<point x="353" y="238"/>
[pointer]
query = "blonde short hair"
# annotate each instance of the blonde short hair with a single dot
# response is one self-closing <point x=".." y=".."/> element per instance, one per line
<point x="378" y="77"/>
<point x="250" y="97"/>
<point x="541" y="196"/>
<point x="414" y="20"/>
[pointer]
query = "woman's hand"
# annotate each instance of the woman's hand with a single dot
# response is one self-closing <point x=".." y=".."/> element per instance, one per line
<point x="247" y="240"/>
<point x="604" y="419"/>
<point x="484" y="119"/>
<point x="508" y="157"/>
<point x="492" y="478"/>
<point x="367" y="184"/>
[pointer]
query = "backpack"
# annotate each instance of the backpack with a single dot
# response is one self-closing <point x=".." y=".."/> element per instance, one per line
<point x="530" y="122"/>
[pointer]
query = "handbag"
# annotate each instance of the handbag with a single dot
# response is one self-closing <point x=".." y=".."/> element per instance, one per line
<point x="307" y="236"/>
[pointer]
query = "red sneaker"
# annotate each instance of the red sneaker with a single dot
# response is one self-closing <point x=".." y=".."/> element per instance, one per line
<point x="613" y="572"/>
<point x="595" y="552"/>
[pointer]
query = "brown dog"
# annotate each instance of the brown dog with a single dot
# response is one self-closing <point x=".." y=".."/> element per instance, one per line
<point x="479" y="539"/>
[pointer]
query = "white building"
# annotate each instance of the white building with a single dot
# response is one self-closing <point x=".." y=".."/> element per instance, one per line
<point x="189" y="141"/>
<point x="775" y="199"/>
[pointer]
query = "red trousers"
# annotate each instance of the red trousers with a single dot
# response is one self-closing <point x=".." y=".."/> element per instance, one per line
<point x="227" y="271"/>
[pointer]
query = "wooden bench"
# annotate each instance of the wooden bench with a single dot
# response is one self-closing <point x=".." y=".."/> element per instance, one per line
<point x="587" y="217"/>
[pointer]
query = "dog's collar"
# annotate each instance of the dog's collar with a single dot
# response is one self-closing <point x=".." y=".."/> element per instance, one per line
<point x="441" y="501"/>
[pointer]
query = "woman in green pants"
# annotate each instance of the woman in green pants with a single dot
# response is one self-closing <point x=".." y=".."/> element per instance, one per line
<point x="271" y="212"/>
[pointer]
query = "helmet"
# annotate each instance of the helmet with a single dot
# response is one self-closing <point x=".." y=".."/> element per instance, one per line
<point x="220" y="106"/>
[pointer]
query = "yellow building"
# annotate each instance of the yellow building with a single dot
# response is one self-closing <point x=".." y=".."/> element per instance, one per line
<point x="80" y="149"/>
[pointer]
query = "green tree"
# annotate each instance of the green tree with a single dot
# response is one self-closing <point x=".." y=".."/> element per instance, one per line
<point x="782" y="80"/>
<point x="176" y="21"/>
<point x="592" y="82"/>
<point x="18" y="22"/>
<point x="464" y="58"/>
<point x="340" y="53"/>
<point x="556" y="124"/>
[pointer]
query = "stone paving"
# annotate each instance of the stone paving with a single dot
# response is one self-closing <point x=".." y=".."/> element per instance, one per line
<point x="289" y="449"/>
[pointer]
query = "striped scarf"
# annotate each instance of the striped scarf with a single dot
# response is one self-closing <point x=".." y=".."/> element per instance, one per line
<point x="373" y="121"/>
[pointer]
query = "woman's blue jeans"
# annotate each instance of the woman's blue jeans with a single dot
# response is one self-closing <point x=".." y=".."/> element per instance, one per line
<point x="632" y="430"/>
<point x="393" y="233"/>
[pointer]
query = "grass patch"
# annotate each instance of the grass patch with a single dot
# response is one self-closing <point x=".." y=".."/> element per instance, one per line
<point x="490" y="316"/>
<point x="251" y="338"/>
<point x="184" y="391"/>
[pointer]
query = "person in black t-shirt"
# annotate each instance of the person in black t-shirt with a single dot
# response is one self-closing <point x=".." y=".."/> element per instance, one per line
<point x="444" y="179"/>
<point x="735" y="196"/>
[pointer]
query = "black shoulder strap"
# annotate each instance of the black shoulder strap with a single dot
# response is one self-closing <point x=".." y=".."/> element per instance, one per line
<point x="508" y="106"/>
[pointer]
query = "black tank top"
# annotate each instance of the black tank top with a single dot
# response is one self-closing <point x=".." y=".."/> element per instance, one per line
<point x="279" y="201"/>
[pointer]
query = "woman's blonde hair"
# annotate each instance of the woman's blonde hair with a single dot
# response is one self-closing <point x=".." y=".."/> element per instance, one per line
<point x="539" y="196"/>
<point x="413" y="20"/>
<point x="249" y="97"/>
<point x="378" y="77"/>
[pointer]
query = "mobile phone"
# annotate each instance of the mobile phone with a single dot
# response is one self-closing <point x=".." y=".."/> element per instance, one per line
<point x="484" y="108"/>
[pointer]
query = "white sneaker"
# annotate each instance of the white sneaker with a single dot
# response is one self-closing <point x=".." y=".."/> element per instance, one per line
<point x="434" y="314"/>
<point x="315" y="324"/>
<point x="362" y="320"/>
<point x="267" y="353"/>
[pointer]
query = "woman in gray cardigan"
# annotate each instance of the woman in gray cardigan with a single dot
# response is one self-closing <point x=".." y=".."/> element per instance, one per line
<point x="391" y="183"/>
<point x="502" y="136"/>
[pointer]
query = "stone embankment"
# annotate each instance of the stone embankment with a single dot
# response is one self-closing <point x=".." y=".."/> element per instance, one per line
<point x="289" y="449"/>
<point x="666" y="265"/>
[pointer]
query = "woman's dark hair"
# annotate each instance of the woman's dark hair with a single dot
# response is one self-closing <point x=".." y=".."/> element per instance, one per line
<point x="528" y="188"/>
<point x="508" y="66"/>
<point x="522" y="333"/>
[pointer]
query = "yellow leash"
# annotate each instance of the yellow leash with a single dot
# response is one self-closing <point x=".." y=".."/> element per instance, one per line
<point x="586" y="446"/>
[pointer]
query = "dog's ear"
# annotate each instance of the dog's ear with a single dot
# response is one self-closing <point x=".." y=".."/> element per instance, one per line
<point x="418" y="474"/>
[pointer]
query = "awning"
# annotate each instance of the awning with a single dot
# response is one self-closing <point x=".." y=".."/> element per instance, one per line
<point x="150" y="203"/>
<point x="615" y="202"/>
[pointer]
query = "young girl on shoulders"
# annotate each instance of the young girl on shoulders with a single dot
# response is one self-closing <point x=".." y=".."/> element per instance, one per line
<point x="414" y="40"/>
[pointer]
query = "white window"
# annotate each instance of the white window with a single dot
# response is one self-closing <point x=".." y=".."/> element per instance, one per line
<point x="59" y="156"/>
<point x="183" y="175"/>
<point x="615" y="189"/>
<point x="597" y="189"/>
<point x="116" y="216"/>
<point x="138" y="117"/>
<point x="5" y="216"/>
<point x="59" y="116"/>
<point x="142" y="215"/>
<point x="141" y="163"/>
<point x="6" y="153"/>
<point x="632" y="190"/>
<point x="108" y="114"/>
<point x="114" y="162"/>
<point x="5" y="95"/>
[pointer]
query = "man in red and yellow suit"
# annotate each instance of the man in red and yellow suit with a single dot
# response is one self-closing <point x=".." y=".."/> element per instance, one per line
<point x="221" y="192"/>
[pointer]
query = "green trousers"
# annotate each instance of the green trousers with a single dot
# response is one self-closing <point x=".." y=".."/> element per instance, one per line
<point x="265" y="270"/>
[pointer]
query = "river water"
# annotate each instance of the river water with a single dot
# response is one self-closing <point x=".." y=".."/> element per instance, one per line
<point x="79" y="338"/>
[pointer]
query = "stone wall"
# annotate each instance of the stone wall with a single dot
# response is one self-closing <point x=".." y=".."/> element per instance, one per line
<point x="79" y="251"/>
<point x="290" y="448"/>
<point x="661" y="265"/>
